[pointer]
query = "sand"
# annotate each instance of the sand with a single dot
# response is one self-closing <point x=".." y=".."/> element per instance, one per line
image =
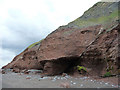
<point x="17" y="80"/>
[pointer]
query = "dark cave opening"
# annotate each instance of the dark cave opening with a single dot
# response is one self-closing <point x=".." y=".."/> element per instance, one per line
<point x="61" y="65"/>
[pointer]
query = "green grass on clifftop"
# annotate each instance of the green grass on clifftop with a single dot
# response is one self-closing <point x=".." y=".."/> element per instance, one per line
<point x="100" y="20"/>
<point x="32" y="45"/>
<point x="100" y="13"/>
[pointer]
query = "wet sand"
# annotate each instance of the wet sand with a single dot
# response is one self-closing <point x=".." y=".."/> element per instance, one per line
<point x="17" y="80"/>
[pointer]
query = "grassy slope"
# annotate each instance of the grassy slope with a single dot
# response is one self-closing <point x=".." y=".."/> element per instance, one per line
<point x="100" y="20"/>
<point x="100" y="13"/>
<point x="36" y="43"/>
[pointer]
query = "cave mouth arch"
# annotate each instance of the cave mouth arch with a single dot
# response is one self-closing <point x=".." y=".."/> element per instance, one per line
<point x="60" y="65"/>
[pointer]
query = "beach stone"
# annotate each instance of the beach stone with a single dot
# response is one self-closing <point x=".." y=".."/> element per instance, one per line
<point x="64" y="74"/>
<point x="65" y="85"/>
<point x="28" y="77"/>
<point x="3" y="72"/>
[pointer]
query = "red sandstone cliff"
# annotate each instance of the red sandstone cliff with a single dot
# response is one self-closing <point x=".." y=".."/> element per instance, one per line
<point x="90" y="41"/>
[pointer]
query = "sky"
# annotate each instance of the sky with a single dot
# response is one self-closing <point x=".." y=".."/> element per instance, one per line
<point x="23" y="22"/>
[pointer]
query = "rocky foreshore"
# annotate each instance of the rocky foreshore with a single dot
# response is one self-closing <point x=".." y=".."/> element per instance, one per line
<point x="36" y="80"/>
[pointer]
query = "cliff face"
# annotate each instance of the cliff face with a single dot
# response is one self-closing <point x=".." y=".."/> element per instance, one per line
<point x="90" y="41"/>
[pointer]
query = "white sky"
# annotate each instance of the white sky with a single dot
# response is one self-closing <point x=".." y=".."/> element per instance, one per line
<point x="23" y="22"/>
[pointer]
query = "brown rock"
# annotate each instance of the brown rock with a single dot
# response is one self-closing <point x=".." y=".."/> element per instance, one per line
<point x="28" y="78"/>
<point x="89" y="46"/>
<point x="65" y="85"/>
<point x="16" y="70"/>
<point x="64" y="74"/>
<point x="26" y="72"/>
<point x="3" y="72"/>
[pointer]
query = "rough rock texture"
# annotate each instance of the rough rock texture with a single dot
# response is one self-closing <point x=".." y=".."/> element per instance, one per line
<point x="102" y="54"/>
<point x="90" y="41"/>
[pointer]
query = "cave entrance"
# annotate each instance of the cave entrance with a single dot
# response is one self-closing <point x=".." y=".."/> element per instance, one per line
<point x="61" y="65"/>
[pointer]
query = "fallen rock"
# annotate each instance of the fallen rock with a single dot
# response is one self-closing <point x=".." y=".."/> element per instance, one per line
<point x="33" y="71"/>
<point x="65" y="85"/>
<point x="16" y="70"/>
<point x="64" y="74"/>
<point x="26" y="72"/>
<point x="3" y="72"/>
<point x="28" y="77"/>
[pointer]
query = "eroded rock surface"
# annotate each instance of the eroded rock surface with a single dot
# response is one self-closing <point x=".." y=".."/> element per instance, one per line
<point x="90" y="41"/>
